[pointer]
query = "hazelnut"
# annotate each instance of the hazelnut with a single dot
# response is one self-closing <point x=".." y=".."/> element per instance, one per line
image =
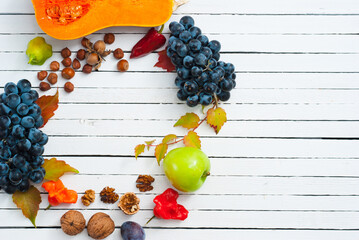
<point x="67" y="62"/>
<point x="92" y="59"/>
<point x="109" y="38"/>
<point x="99" y="46"/>
<point x="72" y="222"/>
<point x="65" y="53"/>
<point x="87" y="69"/>
<point x="118" y="53"/>
<point x="129" y="203"/>
<point x="41" y="75"/>
<point x="69" y="87"/>
<point x="122" y="65"/>
<point x="81" y="54"/>
<point x="52" y="78"/>
<point x="67" y="73"/>
<point x="76" y="64"/>
<point x="86" y="43"/>
<point x="44" y="86"/>
<point x="100" y="226"/>
<point x="54" y="66"/>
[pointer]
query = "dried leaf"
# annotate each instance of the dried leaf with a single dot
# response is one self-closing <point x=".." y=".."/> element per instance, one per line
<point x="164" y="61"/>
<point x="149" y="143"/>
<point x="28" y="202"/>
<point x="56" y="168"/>
<point x="169" y="138"/>
<point x="216" y="118"/>
<point x="189" y="121"/>
<point x="160" y="152"/>
<point x="48" y="105"/>
<point x="140" y="148"/>
<point x="192" y="140"/>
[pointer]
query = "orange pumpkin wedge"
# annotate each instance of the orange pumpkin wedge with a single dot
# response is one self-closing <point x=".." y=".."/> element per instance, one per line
<point x="71" y="19"/>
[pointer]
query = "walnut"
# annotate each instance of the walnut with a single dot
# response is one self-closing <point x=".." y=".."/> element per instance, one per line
<point x="100" y="226"/>
<point x="108" y="195"/>
<point x="73" y="222"/>
<point x="88" y="198"/>
<point x="129" y="203"/>
<point x="144" y="183"/>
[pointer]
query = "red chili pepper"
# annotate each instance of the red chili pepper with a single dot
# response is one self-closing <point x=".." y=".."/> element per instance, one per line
<point x="153" y="40"/>
<point x="167" y="206"/>
<point x="58" y="193"/>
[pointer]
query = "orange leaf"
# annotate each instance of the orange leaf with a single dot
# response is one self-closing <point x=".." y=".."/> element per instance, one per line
<point x="189" y="121"/>
<point x="56" y="168"/>
<point x="160" y="152"/>
<point x="140" y="148"/>
<point x="169" y="138"/>
<point x="28" y="202"/>
<point x="164" y="61"/>
<point x="149" y="143"/>
<point x="216" y="118"/>
<point x="192" y="140"/>
<point x="48" y="105"/>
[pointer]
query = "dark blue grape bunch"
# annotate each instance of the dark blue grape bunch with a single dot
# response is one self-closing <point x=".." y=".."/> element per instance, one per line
<point x="201" y="77"/>
<point x="21" y="142"/>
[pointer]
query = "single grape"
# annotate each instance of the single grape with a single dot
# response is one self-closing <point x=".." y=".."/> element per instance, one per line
<point x="182" y="95"/>
<point x="3" y="133"/>
<point x="176" y="60"/>
<point x="34" y="111"/>
<point x="224" y="96"/>
<point x="214" y="77"/>
<point x="24" y="85"/>
<point x="219" y="70"/>
<point x="188" y="62"/>
<point x="183" y="73"/>
<point x="18" y="160"/>
<point x="215" y="46"/>
<point x="203" y="39"/>
<point x="204" y="77"/>
<point x="15" y="119"/>
<point x="192" y="54"/>
<point x="34" y="95"/>
<point x="28" y="122"/>
<point x="195" y="32"/>
<point x="24" y="145"/>
<point x="4" y="168"/>
<point x="209" y="87"/>
<point x="205" y="99"/>
<point x="34" y="135"/>
<point x="11" y="140"/>
<point x="182" y="50"/>
<point x="212" y="63"/>
<point x="26" y="168"/>
<point x="5" y="122"/>
<point x="170" y="40"/>
<point x="10" y="87"/>
<point x="200" y="60"/>
<point x="176" y="28"/>
<point x="234" y="83"/>
<point x="37" y="149"/>
<point x="4" y="180"/>
<point x="175" y="44"/>
<point x="226" y="85"/>
<point x="187" y="22"/>
<point x="15" y="176"/>
<point x="218" y="91"/>
<point x="44" y="139"/>
<point x="216" y="56"/>
<point x="196" y="71"/>
<point x="36" y="175"/>
<point x="190" y="87"/>
<point x="18" y="131"/>
<point x="185" y="36"/>
<point x="24" y="185"/>
<point x="39" y="122"/>
<point x="12" y="100"/>
<point x="179" y="82"/>
<point x="10" y="188"/>
<point x="37" y="161"/>
<point x="27" y="98"/>
<point x="192" y="101"/>
<point x="207" y="52"/>
<point x="170" y="52"/>
<point x="194" y="45"/>
<point x="228" y="68"/>
<point x="233" y="76"/>
<point x="22" y="109"/>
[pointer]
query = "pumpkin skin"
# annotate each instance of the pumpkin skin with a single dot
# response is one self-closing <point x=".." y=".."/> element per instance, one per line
<point x="98" y="14"/>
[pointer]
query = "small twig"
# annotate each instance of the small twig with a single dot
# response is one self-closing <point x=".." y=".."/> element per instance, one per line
<point x="177" y="4"/>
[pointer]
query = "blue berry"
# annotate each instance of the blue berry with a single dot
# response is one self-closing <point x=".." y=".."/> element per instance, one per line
<point x="187" y="22"/>
<point x="200" y="60"/>
<point x="214" y="77"/>
<point x="28" y="122"/>
<point x="183" y="73"/>
<point x="15" y="176"/>
<point x="4" y="180"/>
<point x="4" y="168"/>
<point x="44" y="139"/>
<point x="36" y="149"/>
<point x="185" y="36"/>
<point x="34" y="95"/>
<point x="226" y="85"/>
<point x="216" y="56"/>
<point x="27" y="98"/>
<point x="188" y="62"/>
<point x="224" y="96"/>
<point x="212" y="63"/>
<point x="11" y="87"/>
<point x="179" y="82"/>
<point x="4" y="110"/>
<point x="10" y="188"/>
<point x="34" y="135"/>
<point x="205" y="99"/>
<point x="176" y="43"/>
<point x="22" y="109"/>
<point x="18" y="131"/>
<point x="209" y="87"/>
<point x="215" y="46"/>
<point x="228" y="68"/>
<point x="194" y="45"/>
<point x="36" y="175"/>
<point x="24" y="85"/>
<point x="24" y="185"/>
<point x="12" y="100"/>
<point x="4" y="122"/>
<point x="190" y="87"/>
<point x="192" y="101"/>
<point x="182" y="95"/>
<point x="37" y="161"/>
<point x="195" y="32"/>
<point x="196" y="71"/>
<point x="182" y="50"/>
<point x="203" y="39"/>
<point x="176" y="28"/>
<point x="204" y="77"/>
<point x="39" y="122"/>
<point x="4" y="133"/>
<point x="24" y="145"/>
<point x="18" y="160"/>
<point x="207" y="52"/>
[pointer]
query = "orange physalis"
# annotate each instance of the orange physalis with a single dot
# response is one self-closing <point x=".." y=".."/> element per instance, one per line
<point x="58" y="193"/>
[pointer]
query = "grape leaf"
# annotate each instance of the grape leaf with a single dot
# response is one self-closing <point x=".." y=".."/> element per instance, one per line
<point x="160" y="152"/>
<point x="216" y="118"/>
<point x="48" y="105"/>
<point x="139" y="149"/>
<point x="149" y="143"/>
<point x="28" y="202"/>
<point x="164" y="61"/>
<point x="169" y="138"/>
<point x="189" y="121"/>
<point x="56" y="168"/>
<point x="192" y="140"/>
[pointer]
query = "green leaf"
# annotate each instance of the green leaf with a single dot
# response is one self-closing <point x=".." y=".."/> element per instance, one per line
<point x="149" y="143"/>
<point x="189" y="121"/>
<point x="169" y="138"/>
<point x="160" y="152"/>
<point x="28" y="202"/>
<point x="56" y="168"/>
<point x="139" y="149"/>
<point x="192" y="140"/>
<point x="216" y="118"/>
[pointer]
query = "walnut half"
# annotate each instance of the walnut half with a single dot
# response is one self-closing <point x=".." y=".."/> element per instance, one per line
<point x="129" y="203"/>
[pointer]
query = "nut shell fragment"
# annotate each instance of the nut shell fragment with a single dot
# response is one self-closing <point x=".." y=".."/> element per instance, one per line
<point x="129" y="203"/>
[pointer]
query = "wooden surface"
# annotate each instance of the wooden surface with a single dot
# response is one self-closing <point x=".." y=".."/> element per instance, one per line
<point x="285" y="166"/>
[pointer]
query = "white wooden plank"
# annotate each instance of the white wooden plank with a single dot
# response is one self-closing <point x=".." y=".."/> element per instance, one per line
<point x="247" y="24"/>
<point x="232" y="129"/>
<point x="208" y="219"/>
<point x="244" y="62"/>
<point x="229" y="43"/>
<point x="235" y="6"/>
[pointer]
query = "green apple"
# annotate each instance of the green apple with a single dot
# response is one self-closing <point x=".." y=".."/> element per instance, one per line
<point x="187" y="168"/>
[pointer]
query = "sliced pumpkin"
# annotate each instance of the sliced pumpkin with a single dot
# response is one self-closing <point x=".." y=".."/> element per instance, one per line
<point x="71" y="19"/>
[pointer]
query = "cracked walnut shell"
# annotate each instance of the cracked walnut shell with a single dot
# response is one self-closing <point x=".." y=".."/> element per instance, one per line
<point x="72" y="222"/>
<point x="129" y="203"/>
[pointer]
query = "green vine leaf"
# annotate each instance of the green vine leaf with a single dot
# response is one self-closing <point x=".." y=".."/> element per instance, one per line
<point x="216" y="118"/>
<point x="160" y="152"/>
<point x="139" y="149"/>
<point x="28" y="202"/>
<point x="149" y="143"/>
<point x="192" y="140"/>
<point x="169" y="138"/>
<point x="189" y="121"/>
<point x="56" y="168"/>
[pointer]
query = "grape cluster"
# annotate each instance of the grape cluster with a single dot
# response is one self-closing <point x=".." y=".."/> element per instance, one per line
<point x="21" y="142"/>
<point x="201" y="77"/>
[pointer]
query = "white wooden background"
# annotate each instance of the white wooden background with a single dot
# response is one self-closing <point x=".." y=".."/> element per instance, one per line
<point x="285" y="166"/>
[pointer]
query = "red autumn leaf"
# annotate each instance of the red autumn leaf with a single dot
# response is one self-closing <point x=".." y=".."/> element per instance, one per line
<point x="48" y="105"/>
<point x="164" y="61"/>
